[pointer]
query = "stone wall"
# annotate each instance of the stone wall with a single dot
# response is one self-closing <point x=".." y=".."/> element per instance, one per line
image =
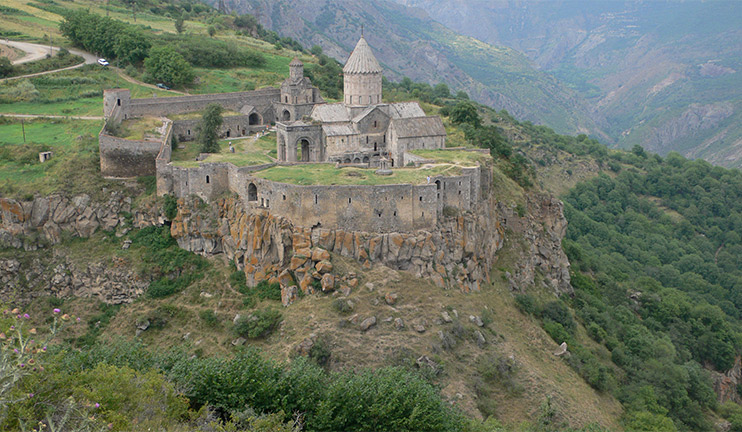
<point x="123" y="158"/>
<point x="232" y="126"/>
<point x="262" y="100"/>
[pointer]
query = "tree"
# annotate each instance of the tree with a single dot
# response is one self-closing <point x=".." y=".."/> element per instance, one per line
<point x="466" y="112"/>
<point x="208" y="128"/>
<point x="316" y="50"/>
<point x="167" y="66"/>
<point x="211" y="30"/>
<point x="179" y="25"/>
<point x="441" y="91"/>
<point x="6" y="68"/>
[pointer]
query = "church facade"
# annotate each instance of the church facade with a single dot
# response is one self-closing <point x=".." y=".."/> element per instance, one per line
<point x="359" y="130"/>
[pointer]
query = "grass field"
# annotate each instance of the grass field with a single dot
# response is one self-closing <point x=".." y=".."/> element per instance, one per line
<point x="327" y="174"/>
<point x="248" y="151"/>
<point x="52" y="133"/>
<point x="140" y="128"/>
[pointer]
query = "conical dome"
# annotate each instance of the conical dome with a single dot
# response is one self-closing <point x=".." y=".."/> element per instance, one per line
<point x="362" y="60"/>
<point x="296" y="62"/>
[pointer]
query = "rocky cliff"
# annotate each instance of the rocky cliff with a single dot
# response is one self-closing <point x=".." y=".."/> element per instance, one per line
<point x="459" y="252"/>
<point x="39" y="224"/>
<point x="31" y="225"/>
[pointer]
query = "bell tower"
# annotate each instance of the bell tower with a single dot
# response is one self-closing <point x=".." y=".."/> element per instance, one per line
<point x="362" y="77"/>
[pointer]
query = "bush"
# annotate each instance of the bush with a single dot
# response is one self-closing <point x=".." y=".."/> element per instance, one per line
<point x="169" y="67"/>
<point x="209" y="317"/>
<point x="238" y="281"/>
<point x="268" y="291"/>
<point x="526" y="303"/>
<point x="258" y="324"/>
<point x="169" y="207"/>
<point x="558" y="312"/>
<point x="342" y="306"/>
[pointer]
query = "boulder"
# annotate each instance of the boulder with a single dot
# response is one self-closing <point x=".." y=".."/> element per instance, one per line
<point x="446" y="317"/>
<point x="328" y="282"/>
<point x="324" y="267"/>
<point x="289" y="294"/>
<point x="391" y="298"/>
<point x="398" y="324"/>
<point x="368" y="323"/>
<point x="319" y="254"/>
<point x="476" y="320"/>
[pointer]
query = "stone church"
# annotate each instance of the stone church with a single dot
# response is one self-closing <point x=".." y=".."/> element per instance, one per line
<point x="359" y="130"/>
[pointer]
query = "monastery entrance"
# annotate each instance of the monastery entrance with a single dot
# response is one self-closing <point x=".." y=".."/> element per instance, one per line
<point x="303" y="148"/>
<point x="254" y="119"/>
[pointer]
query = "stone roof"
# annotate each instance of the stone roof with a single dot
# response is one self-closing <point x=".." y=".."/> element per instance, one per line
<point x="369" y="110"/>
<point x="331" y="113"/>
<point x="338" y="129"/>
<point x="362" y="60"/>
<point x="418" y="127"/>
<point x="247" y="109"/>
<point x="405" y="110"/>
<point x="296" y="62"/>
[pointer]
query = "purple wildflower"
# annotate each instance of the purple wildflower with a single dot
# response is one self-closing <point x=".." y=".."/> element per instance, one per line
<point x="97" y="405"/>
<point x="27" y="316"/>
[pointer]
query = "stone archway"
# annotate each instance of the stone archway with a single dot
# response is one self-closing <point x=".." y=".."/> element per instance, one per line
<point x="254" y="119"/>
<point x="286" y="116"/>
<point x="303" y="150"/>
<point x="252" y="192"/>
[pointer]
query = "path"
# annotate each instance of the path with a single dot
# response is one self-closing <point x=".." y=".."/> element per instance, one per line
<point x="44" y="116"/>
<point x="37" y="52"/>
<point x="126" y="77"/>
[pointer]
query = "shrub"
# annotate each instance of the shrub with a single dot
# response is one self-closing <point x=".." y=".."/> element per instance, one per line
<point x="238" y="281"/>
<point x="557" y="332"/>
<point x="209" y="317"/>
<point x="258" y="324"/>
<point x="558" y="312"/>
<point x="169" y="207"/>
<point x="526" y="303"/>
<point x="268" y="291"/>
<point x="342" y="306"/>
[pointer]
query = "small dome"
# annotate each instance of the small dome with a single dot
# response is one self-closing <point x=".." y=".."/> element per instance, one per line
<point x="296" y="62"/>
<point x="362" y="60"/>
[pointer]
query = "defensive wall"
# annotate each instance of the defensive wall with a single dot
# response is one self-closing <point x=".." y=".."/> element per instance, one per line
<point x="371" y="208"/>
<point x="122" y="158"/>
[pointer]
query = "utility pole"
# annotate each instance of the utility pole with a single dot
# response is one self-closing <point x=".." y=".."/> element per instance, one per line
<point x="23" y="127"/>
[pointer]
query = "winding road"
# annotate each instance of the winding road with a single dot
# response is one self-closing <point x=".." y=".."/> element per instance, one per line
<point x="38" y="52"/>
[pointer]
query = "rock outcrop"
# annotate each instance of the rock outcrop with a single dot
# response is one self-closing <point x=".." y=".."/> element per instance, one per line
<point x="30" y="225"/>
<point x="459" y="253"/>
<point x="112" y="281"/>
<point x="726" y="384"/>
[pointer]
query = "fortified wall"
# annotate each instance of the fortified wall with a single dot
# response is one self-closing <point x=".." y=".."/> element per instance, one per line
<point x="128" y="158"/>
<point x="372" y="208"/>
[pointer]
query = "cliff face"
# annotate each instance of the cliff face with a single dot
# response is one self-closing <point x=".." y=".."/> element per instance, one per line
<point x="37" y="225"/>
<point x="459" y="252"/>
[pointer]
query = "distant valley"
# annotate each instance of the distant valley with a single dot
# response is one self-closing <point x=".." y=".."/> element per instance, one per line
<point x="665" y="75"/>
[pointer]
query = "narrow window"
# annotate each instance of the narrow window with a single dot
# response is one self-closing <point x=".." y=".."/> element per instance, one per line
<point x="349" y="199"/>
<point x="267" y="203"/>
<point x="374" y="123"/>
<point x="316" y="199"/>
<point x="421" y="198"/>
<point x="423" y="215"/>
<point x="189" y="131"/>
<point x="207" y="179"/>
<point x="366" y="139"/>
<point x="395" y="213"/>
<point x="384" y="137"/>
<point x="459" y="192"/>
<point x="439" y="196"/>
<point x="286" y="99"/>
<point x="375" y="147"/>
<point x="118" y="102"/>
<point x="284" y="197"/>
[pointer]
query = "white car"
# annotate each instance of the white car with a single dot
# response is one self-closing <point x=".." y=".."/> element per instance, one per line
<point x="103" y="62"/>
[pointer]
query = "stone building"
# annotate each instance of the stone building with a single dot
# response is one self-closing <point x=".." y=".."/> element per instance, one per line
<point x="361" y="129"/>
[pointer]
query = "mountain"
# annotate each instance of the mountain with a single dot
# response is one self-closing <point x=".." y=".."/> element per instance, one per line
<point x="662" y="74"/>
<point x="409" y="43"/>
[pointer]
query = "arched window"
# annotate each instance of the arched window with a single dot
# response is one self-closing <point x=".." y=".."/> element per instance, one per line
<point x="252" y="192"/>
<point x="365" y="159"/>
<point x="286" y="115"/>
<point x="356" y="160"/>
<point x="207" y="179"/>
<point x="438" y="184"/>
